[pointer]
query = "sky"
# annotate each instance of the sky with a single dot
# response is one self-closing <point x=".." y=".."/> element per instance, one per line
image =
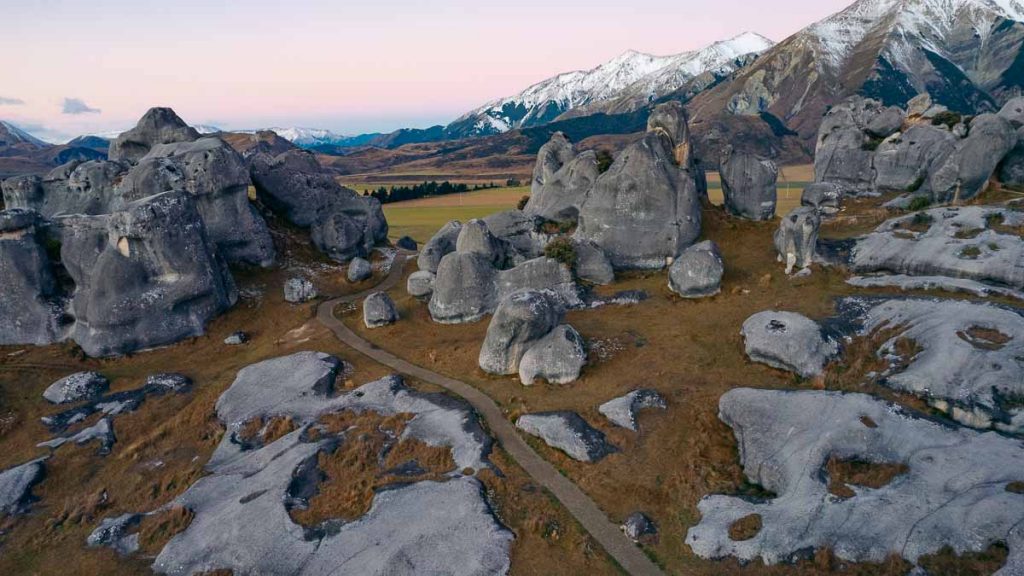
<point x="72" y="67"/>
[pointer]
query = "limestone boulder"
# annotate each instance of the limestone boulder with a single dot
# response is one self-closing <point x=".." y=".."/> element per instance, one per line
<point x="943" y="486"/>
<point x="379" y="310"/>
<point x="796" y="240"/>
<point x="72" y="188"/>
<point x="592" y="264"/>
<point x="521" y="321"/>
<point x="359" y="270"/>
<point x="465" y="289"/>
<point x="749" y="185"/>
<point x="76" y="388"/>
<point x="788" y="341"/>
<point x="622" y="411"/>
<point x="439" y="246"/>
<point x="904" y="162"/>
<point x="1013" y="112"/>
<point x="843" y="154"/>
<point x="557" y="358"/>
<point x="552" y="157"/>
<point x="145" y="276"/>
<point x="16" y="486"/>
<point x="568" y="432"/>
<point x="965" y="172"/>
<point x="157" y="126"/>
<point x="825" y="197"/>
<point x="1012" y="169"/>
<point x="420" y="284"/>
<point x="476" y="238"/>
<point x="646" y="209"/>
<point x="698" y="271"/>
<point x="562" y="181"/>
<point x="299" y="290"/>
<point x="31" y="311"/>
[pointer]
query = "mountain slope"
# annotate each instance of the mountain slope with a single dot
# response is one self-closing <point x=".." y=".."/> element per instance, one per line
<point x="12" y="137"/>
<point x="637" y="77"/>
<point x="966" y="53"/>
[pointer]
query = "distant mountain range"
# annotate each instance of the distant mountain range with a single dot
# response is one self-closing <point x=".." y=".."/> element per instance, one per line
<point x="745" y="91"/>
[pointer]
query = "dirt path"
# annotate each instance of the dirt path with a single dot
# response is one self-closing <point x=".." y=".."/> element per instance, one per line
<point x="586" y="512"/>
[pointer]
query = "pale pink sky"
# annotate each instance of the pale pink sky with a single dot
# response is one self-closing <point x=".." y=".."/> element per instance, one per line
<point x="352" y="66"/>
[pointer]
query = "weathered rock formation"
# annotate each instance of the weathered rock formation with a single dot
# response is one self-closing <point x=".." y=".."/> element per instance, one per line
<point x="557" y="358"/>
<point x="440" y="245"/>
<point x="748" y="184"/>
<point x="561" y="180"/>
<point x="76" y="388"/>
<point x="299" y="290"/>
<point x="157" y="126"/>
<point x="521" y="321"/>
<point x="646" y="209"/>
<point x="945" y="486"/>
<point x="30" y="310"/>
<point x="359" y="269"/>
<point x="146" y="276"/>
<point x="846" y="140"/>
<point x="796" y="240"/>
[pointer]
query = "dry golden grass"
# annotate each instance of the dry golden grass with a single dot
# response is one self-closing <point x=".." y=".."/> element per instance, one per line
<point x="843" y="473"/>
<point x="157" y="530"/>
<point x="745" y="528"/>
<point x="162" y="447"/>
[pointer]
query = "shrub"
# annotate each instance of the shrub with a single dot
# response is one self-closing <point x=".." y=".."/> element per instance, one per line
<point x="916" y="185"/>
<point x="919" y="203"/>
<point x="522" y="202"/>
<point x="604" y="161"/>
<point x="947" y="119"/>
<point x="871" y="144"/>
<point x="562" y="250"/>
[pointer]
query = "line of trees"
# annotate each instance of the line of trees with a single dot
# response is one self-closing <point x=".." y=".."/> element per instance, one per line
<point x="424" y="190"/>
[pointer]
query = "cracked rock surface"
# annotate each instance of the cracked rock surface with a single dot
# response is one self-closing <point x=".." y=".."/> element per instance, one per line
<point x="241" y="507"/>
<point x="568" y="432"/>
<point x="954" y="491"/>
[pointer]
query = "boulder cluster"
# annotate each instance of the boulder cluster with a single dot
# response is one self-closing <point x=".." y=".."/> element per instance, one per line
<point x="132" y="252"/>
<point x="925" y="151"/>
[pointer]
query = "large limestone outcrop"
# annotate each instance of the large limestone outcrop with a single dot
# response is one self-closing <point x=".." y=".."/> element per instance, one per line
<point x="967" y="358"/>
<point x="145" y="276"/>
<point x="343" y="224"/>
<point x="252" y="486"/>
<point x="846" y="138"/>
<point x="970" y="242"/>
<point x="217" y="177"/>
<point x="73" y="188"/>
<point x="646" y="208"/>
<point x="561" y="180"/>
<point x="748" y="184"/>
<point x="30" y="308"/>
<point x="157" y="126"/>
<point x="949" y="486"/>
<point x="440" y="245"/>
<point x="903" y="162"/>
<point x="965" y="173"/>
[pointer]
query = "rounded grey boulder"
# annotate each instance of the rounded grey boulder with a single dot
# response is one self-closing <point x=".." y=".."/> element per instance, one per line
<point x="476" y="238"/>
<point x="420" y="284"/>
<point x="749" y="185"/>
<point x="379" y="310"/>
<point x="592" y="265"/>
<point x="965" y="173"/>
<point x="902" y="163"/>
<point x="298" y="290"/>
<point x="76" y="388"/>
<point x="788" y="341"/>
<point x="439" y="246"/>
<point x="639" y="527"/>
<point x="697" y="272"/>
<point x="359" y="269"/>
<point x="562" y="180"/>
<point x="521" y="320"/>
<point x="557" y="358"/>
<point x="465" y="289"/>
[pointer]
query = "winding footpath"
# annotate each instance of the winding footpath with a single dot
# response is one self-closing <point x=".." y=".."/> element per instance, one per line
<point x="586" y="512"/>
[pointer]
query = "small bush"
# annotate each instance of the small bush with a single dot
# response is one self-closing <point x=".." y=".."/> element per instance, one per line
<point x="917" y="186"/>
<point x="947" y="119"/>
<point x="562" y="250"/>
<point x="919" y="203"/>
<point x="871" y="144"/>
<point x="523" y="202"/>
<point x="604" y="161"/>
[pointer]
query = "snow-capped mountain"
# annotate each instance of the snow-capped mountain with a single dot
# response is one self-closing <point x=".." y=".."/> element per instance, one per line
<point x="633" y="73"/>
<point x="966" y="53"/>
<point x="308" y="137"/>
<point x="11" y="135"/>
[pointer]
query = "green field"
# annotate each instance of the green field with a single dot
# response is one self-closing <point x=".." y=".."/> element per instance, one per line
<point x="420" y="219"/>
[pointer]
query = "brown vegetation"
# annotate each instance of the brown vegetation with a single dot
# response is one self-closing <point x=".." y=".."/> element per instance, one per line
<point x="156" y="531"/>
<point x="843" y="473"/>
<point x="745" y="528"/>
